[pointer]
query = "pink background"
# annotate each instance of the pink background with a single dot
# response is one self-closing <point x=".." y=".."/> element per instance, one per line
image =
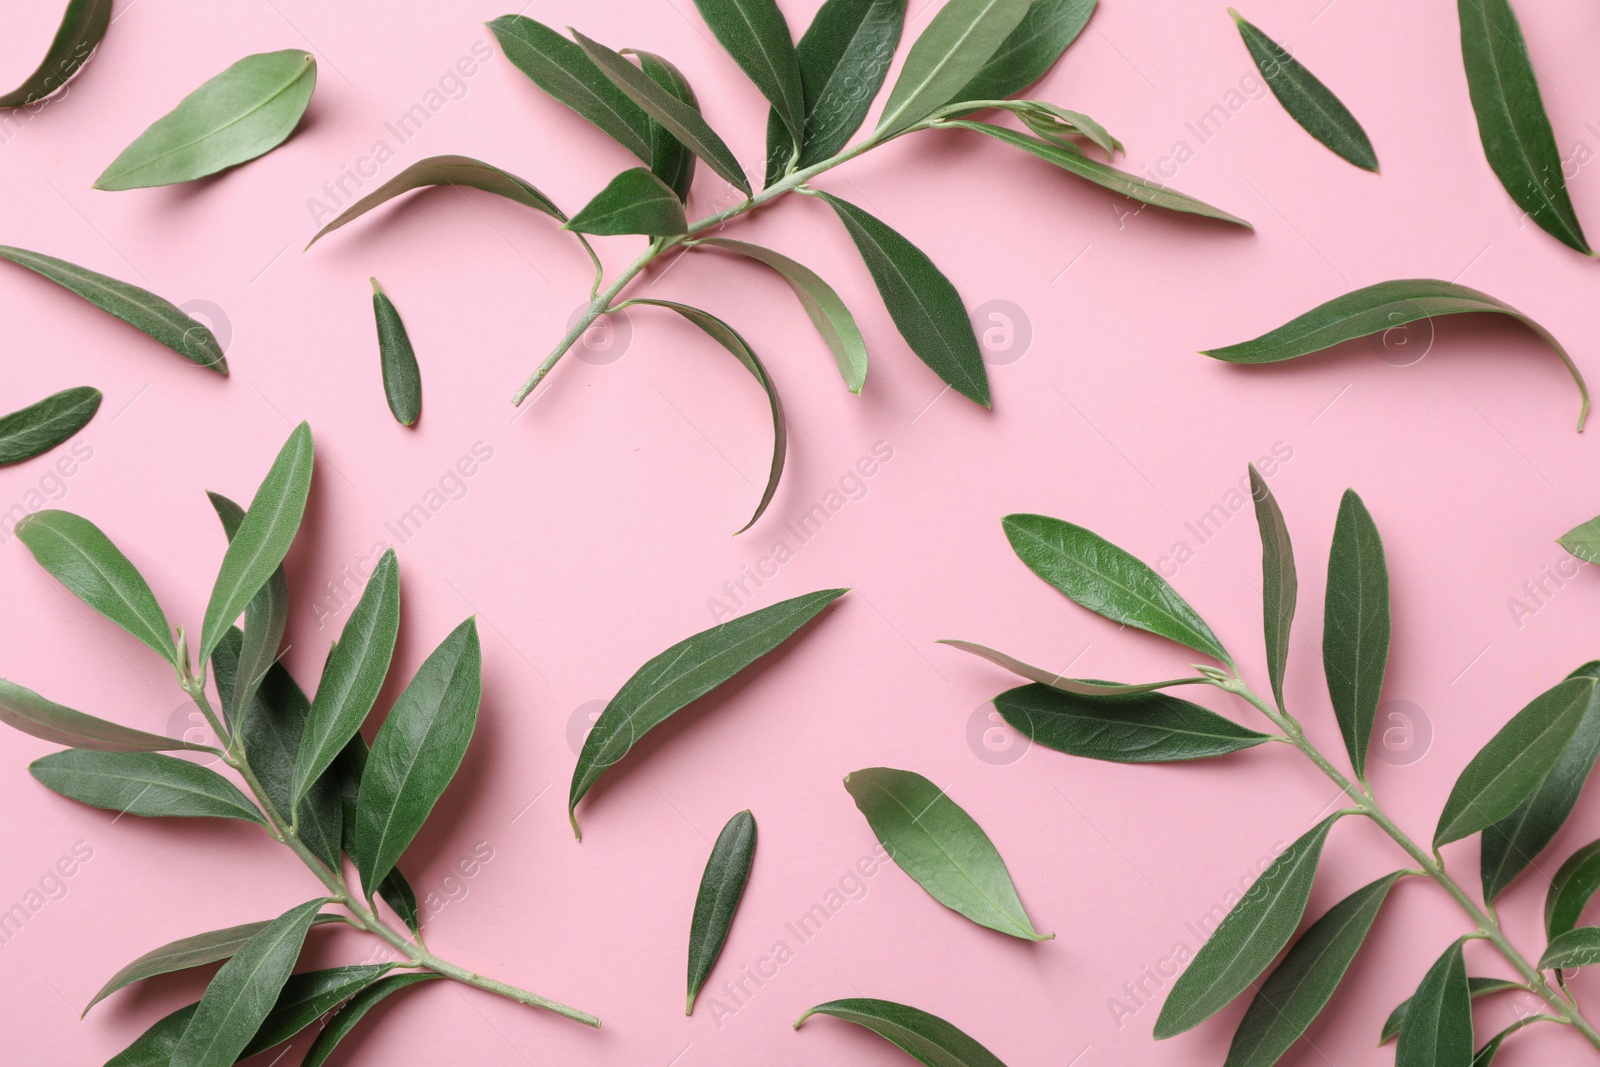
<point x="598" y="531"/>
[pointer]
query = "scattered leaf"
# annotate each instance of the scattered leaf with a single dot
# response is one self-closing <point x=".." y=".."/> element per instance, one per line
<point x="926" y="1038"/>
<point x="1583" y="541"/>
<point x="38" y="428"/>
<point x="402" y="379"/>
<point x="82" y="27"/>
<point x="721" y="887"/>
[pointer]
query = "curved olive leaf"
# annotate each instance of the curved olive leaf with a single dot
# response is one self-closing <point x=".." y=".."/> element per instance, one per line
<point x="822" y="304"/>
<point x="1573" y="886"/>
<point x="959" y="41"/>
<point x="1247" y="941"/>
<point x="1280" y="588"/>
<point x="453" y="171"/>
<point x="1122" y="728"/>
<point x="1129" y="185"/>
<point x="721" y="887"/>
<point x="263" y="538"/>
<point x="307" y="997"/>
<point x="1491" y="1048"/>
<point x="1438" y="1025"/>
<point x="674" y="679"/>
<point x="923" y="303"/>
<point x="265" y="619"/>
<point x="82" y="27"/>
<point x="684" y="121"/>
<point x="1096" y="574"/>
<point x="153" y="1048"/>
<point x="635" y="201"/>
<point x="756" y="35"/>
<point x="1380" y="307"/>
<point x="417" y="752"/>
<point x="1511" y="844"/>
<point x="729" y="338"/>
<point x="926" y="1038"/>
<point x="347" y="771"/>
<point x="1356" y="625"/>
<point x="143" y="310"/>
<point x="670" y="158"/>
<point x="23" y="709"/>
<point x="1515" y="762"/>
<point x="1301" y="986"/>
<point x="38" y="428"/>
<point x="242" y="994"/>
<point x="1085" y="686"/>
<point x="352" y="1013"/>
<point x="1030" y="51"/>
<point x="1575" y="948"/>
<point x="402" y="378"/>
<point x="1516" y="134"/>
<point x="244" y="112"/>
<point x="1583" y="541"/>
<point x="142" y="783"/>
<point x="82" y="558"/>
<point x="1476" y="987"/>
<point x="1306" y="99"/>
<point x="941" y="847"/>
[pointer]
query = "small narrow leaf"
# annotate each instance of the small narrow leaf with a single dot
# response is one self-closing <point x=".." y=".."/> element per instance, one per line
<point x="23" y="709"/>
<point x="1355" y="634"/>
<point x="143" y="310"/>
<point x="402" y="379"/>
<point x="958" y="43"/>
<point x="1476" y="987"/>
<point x="1575" y="948"/>
<point x="1491" y="1048"/>
<point x="1125" y="728"/>
<point x="38" y="428"/>
<point x="353" y="1012"/>
<point x="1062" y="127"/>
<point x="82" y="27"/>
<point x="84" y="560"/>
<point x="1380" y="307"/>
<point x="347" y="771"/>
<point x="244" y="112"/>
<point x="1084" y="686"/>
<point x="1306" y="99"/>
<point x="670" y="158"/>
<point x="635" y="201"/>
<point x="417" y="752"/>
<point x="683" y="121"/>
<point x="923" y="303"/>
<point x="941" y="847"/>
<point x="1091" y="571"/>
<point x="307" y="997"/>
<point x="1573" y="886"/>
<point x="822" y="304"/>
<point x="756" y="35"/>
<point x="721" y="887"/>
<point x="451" y="171"/>
<point x="1301" y="986"/>
<point x="1583" y="541"/>
<point x="729" y="338"/>
<point x="142" y="783"/>
<point x="1280" y="588"/>
<point x="1516" y="134"/>
<point x="1248" y="939"/>
<point x="244" y="991"/>
<point x="1515" y="762"/>
<point x="1438" y="1025"/>
<point x="926" y="1038"/>
<point x="265" y="619"/>
<point x="682" y="674"/>
<point x="1030" y="51"/>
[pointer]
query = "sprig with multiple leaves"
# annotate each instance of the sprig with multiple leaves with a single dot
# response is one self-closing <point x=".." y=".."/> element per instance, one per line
<point x="1516" y="793"/>
<point x="972" y="57"/>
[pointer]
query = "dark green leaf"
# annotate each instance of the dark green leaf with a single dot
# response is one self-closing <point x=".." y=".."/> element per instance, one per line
<point x="402" y="379"/>
<point x="1515" y="762"/>
<point x="1574" y="885"/>
<point x="822" y="304"/>
<point x="721" y="886"/>
<point x="23" y="709"/>
<point x="1355" y="634"/>
<point x="1438" y="1024"/>
<point x="1093" y="572"/>
<point x="347" y="770"/>
<point x="1516" y="134"/>
<point x="925" y="306"/>
<point x="265" y="618"/>
<point x="1377" y="308"/>
<point x="682" y="674"/>
<point x="1575" y="948"/>
<point x="1032" y="49"/>
<point x="1583" y="541"/>
<point x="1491" y="1048"/>
<point x="143" y="310"/>
<point x="561" y="68"/>
<point x="670" y="158"/>
<point x="635" y="201"/>
<point x="84" y="560"/>
<point x="153" y="1048"/>
<point x="79" y="34"/>
<point x="352" y="1013"/>
<point x="1511" y="844"/>
<point x="1126" y="728"/>
<point x="941" y="847"/>
<point x="1279" y="586"/>
<point x="1085" y="686"/>
<point x="926" y="1038"/>
<point x="417" y="751"/>
<point x="244" y="112"/>
<point x="38" y="428"/>
<point x="757" y="37"/>
<point x="1248" y="939"/>
<point x="244" y="991"/>
<point x="959" y="42"/>
<point x="142" y="783"/>
<point x="307" y="997"/>
<point x="1476" y="987"/>
<point x="1298" y="989"/>
<point x="665" y="108"/>
<point x="1306" y="99"/>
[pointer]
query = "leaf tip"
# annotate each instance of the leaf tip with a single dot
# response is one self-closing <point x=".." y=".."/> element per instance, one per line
<point x="688" y="1006"/>
<point x="572" y="817"/>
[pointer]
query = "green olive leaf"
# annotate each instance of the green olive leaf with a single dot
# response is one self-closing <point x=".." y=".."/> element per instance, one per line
<point x="265" y="619"/>
<point x="1122" y="728"/>
<point x="1476" y="987"/>
<point x="1573" y="886"/>
<point x="1356" y="624"/>
<point x="244" y="112"/>
<point x="82" y="27"/>
<point x="354" y="1011"/>
<point x="670" y="158"/>
<point x="143" y="783"/>
<point x="1583" y="541"/>
<point x="926" y="1038"/>
<point x="1060" y="126"/>
<point x="1280" y="588"/>
<point x="23" y="709"/>
<point x="1085" y="686"/>
<point x="402" y="378"/>
<point x="307" y="997"/>
<point x="1575" y="948"/>
<point x="348" y="768"/>
<point x="1491" y="1048"/>
<point x="38" y="428"/>
<point x="1030" y="51"/>
<point x="756" y="35"/>
<point x="635" y="201"/>
<point x="958" y="42"/>
<point x="721" y="887"/>
<point x="1438" y="1025"/>
<point x="153" y="1048"/>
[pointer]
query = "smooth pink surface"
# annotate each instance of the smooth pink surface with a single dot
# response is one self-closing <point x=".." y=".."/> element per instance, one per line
<point x="597" y="532"/>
